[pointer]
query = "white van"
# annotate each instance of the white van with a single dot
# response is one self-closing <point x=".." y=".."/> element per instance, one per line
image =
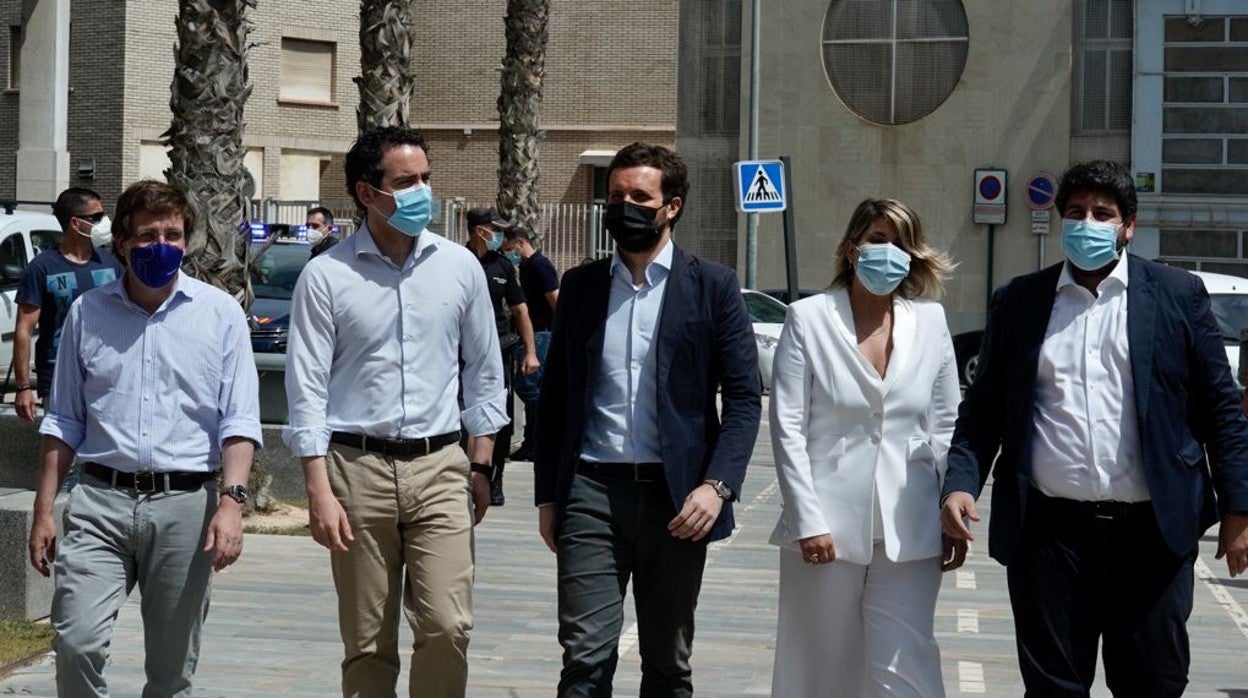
<point x="1228" y="295"/>
<point x="23" y="234"/>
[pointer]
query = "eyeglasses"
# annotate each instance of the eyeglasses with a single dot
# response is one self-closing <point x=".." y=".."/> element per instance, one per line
<point x="150" y="237"/>
<point x="94" y="217"/>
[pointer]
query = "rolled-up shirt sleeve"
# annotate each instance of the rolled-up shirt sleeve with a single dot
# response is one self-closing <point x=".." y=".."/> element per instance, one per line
<point x="308" y="360"/>
<point x="66" y="417"/>
<point x="485" y="395"/>
<point x="239" y="400"/>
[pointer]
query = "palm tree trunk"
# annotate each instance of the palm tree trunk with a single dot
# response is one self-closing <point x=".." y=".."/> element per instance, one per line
<point x="519" y="100"/>
<point x="385" y="79"/>
<point x="210" y="87"/>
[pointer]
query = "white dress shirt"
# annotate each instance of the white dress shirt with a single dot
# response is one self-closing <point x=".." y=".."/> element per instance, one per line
<point x="623" y="421"/>
<point x="1087" y="445"/>
<point x="159" y="392"/>
<point x="375" y="349"/>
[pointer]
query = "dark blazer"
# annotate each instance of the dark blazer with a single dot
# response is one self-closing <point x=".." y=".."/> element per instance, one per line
<point x="1194" y="438"/>
<point x="705" y="345"/>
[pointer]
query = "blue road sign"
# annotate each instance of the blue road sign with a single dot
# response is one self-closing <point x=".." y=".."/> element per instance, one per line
<point x="1041" y="191"/>
<point x="760" y="186"/>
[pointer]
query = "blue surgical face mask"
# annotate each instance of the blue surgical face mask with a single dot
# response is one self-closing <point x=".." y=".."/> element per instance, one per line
<point x="495" y="241"/>
<point x="155" y="265"/>
<point x="1088" y="244"/>
<point x="413" y="209"/>
<point x="882" y="267"/>
<point x="513" y="257"/>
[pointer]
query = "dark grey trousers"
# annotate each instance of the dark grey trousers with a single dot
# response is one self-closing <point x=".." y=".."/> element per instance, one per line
<point x="614" y="529"/>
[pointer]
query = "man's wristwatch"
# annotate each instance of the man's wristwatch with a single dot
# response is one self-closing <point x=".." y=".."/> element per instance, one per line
<point x="485" y="469"/>
<point x="724" y="491"/>
<point x="236" y="492"/>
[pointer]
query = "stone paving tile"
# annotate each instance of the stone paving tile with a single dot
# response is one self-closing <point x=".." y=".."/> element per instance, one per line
<point x="272" y="628"/>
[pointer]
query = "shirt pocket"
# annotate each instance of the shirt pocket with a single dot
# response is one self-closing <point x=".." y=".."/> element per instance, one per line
<point x="1191" y="455"/>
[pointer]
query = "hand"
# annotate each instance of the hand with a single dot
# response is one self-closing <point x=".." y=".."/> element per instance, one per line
<point x="1233" y="543"/>
<point x="225" y="534"/>
<point x="818" y="550"/>
<point x="528" y="366"/>
<point x="958" y="507"/>
<point x="546" y="526"/>
<point x="698" y="515"/>
<point x="25" y="403"/>
<point x="480" y="496"/>
<point x="329" y="524"/>
<point x="952" y="553"/>
<point x="42" y="545"/>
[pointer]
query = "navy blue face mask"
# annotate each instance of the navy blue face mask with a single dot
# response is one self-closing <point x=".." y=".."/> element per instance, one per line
<point x="156" y="265"/>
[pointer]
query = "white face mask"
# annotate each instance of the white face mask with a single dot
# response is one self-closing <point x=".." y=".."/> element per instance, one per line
<point x="101" y="233"/>
<point x="315" y="235"/>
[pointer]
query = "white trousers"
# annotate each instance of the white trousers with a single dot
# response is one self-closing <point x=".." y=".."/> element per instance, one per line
<point x="849" y="630"/>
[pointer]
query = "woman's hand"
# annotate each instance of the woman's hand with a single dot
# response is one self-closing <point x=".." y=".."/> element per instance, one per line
<point x="818" y="550"/>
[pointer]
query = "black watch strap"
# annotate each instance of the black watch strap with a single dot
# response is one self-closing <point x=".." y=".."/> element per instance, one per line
<point x="485" y="469"/>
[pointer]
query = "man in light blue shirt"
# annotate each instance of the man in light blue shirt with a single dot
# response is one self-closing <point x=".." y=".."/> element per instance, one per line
<point x="379" y="325"/>
<point x="156" y="392"/>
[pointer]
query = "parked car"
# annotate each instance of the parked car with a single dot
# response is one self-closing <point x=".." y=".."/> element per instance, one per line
<point x="1228" y="295"/>
<point x="767" y="314"/>
<point x="274" y="274"/>
<point x="782" y="294"/>
<point x="23" y="234"/>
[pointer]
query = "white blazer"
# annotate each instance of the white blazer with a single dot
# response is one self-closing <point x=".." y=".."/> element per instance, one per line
<point x="841" y="433"/>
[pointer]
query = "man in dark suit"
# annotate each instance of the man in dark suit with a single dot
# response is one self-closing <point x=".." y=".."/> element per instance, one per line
<point x="635" y="467"/>
<point x="1105" y="399"/>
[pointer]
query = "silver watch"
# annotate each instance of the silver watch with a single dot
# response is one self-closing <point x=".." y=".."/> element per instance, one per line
<point x="724" y="491"/>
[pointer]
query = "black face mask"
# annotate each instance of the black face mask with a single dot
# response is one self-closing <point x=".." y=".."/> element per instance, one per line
<point x="632" y="226"/>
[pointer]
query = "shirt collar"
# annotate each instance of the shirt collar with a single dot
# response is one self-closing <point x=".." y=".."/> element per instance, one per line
<point x="365" y="244"/>
<point x="185" y="287"/>
<point x="655" y="270"/>
<point x="1119" y="274"/>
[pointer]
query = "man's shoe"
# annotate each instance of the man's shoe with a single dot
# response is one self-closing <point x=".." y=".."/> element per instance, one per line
<point x="525" y="452"/>
<point x="496" y="492"/>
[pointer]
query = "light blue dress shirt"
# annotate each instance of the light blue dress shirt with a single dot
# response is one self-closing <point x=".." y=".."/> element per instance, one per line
<point x="623" y="421"/>
<point x="156" y="392"/>
<point x="375" y="349"/>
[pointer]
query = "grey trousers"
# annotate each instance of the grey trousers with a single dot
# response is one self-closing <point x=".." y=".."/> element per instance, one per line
<point x="111" y="540"/>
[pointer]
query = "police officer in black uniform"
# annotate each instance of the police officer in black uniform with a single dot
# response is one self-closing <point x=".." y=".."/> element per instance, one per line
<point x="515" y="331"/>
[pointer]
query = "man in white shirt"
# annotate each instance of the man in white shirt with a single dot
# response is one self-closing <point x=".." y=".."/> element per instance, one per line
<point x="379" y="324"/>
<point x="1102" y="385"/>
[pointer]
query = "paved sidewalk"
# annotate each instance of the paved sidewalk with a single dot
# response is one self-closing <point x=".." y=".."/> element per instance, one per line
<point x="272" y="628"/>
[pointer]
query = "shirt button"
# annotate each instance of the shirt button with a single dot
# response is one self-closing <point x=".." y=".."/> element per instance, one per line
<point x="875" y="438"/>
<point x="877" y="416"/>
<point x="147" y="397"/>
<point x="407" y="338"/>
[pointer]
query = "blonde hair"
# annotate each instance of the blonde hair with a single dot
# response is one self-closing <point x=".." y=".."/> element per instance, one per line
<point x="929" y="267"/>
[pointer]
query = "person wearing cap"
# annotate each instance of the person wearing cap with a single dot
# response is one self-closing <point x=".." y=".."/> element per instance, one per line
<point x="511" y="317"/>
<point x="385" y="328"/>
<point x="156" y="392"/>
<point x="540" y="282"/>
<point x="51" y="283"/>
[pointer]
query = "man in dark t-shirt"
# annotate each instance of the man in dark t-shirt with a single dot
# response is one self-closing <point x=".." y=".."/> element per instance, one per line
<point x="540" y="283"/>
<point x="51" y="283"/>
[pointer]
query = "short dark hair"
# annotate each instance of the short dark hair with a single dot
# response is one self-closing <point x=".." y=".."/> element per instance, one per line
<point x="325" y="213"/>
<point x="675" y="173"/>
<point x="1103" y="176"/>
<point x="364" y="158"/>
<point x="70" y="202"/>
<point x="155" y="197"/>
<point x="518" y="232"/>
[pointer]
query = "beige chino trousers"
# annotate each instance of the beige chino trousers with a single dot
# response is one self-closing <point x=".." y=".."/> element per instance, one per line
<point x="412" y="522"/>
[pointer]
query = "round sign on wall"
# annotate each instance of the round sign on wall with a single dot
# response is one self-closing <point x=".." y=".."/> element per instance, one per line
<point x="1041" y="191"/>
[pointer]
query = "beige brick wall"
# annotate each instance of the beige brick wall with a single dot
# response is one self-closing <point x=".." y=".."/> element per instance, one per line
<point x="10" y="15"/>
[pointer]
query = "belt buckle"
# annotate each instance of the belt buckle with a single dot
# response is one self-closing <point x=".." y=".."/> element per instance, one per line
<point x="1105" y="510"/>
<point x="151" y="475"/>
<point x="364" y="442"/>
<point x="428" y="446"/>
<point x="637" y="474"/>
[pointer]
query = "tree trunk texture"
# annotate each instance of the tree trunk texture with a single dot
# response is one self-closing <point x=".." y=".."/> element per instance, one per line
<point x="210" y="87"/>
<point x="519" y="101"/>
<point x="385" y="79"/>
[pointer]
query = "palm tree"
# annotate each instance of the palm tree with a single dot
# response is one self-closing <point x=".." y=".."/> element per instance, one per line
<point x="385" y="79"/>
<point x="519" y="99"/>
<point x="210" y="87"/>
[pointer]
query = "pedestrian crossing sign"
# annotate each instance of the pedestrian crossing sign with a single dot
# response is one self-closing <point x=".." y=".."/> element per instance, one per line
<point x="760" y="186"/>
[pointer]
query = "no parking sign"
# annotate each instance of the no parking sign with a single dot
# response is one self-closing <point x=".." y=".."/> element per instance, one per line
<point x="989" y="204"/>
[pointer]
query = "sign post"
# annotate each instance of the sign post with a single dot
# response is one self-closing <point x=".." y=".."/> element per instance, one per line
<point x="762" y="186"/>
<point x="1041" y="192"/>
<point x="988" y="209"/>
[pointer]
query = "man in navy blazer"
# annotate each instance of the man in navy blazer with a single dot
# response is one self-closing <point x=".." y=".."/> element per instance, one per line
<point x="636" y="469"/>
<point x="1105" y="403"/>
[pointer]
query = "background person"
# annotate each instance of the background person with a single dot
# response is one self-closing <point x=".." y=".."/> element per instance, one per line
<point x="320" y="226"/>
<point x="540" y="283"/>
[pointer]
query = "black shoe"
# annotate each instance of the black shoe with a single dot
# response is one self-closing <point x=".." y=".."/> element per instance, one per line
<point x="525" y="452"/>
<point x="496" y="492"/>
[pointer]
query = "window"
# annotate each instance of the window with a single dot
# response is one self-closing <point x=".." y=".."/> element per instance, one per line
<point x="307" y="71"/>
<point x="300" y="176"/>
<point x="17" y="37"/>
<point x="153" y="160"/>
<point x="1101" y="84"/>
<point x="894" y="61"/>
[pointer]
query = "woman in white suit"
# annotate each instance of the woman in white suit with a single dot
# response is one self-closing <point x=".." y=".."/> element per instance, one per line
<point x="863" y="399"/>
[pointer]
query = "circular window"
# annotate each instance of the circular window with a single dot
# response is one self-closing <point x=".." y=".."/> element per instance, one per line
<point x="894" y="61"/>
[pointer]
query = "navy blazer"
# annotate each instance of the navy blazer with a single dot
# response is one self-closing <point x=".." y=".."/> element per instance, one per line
<point x="1194" y="438"/>
<point x="705" y="345"/>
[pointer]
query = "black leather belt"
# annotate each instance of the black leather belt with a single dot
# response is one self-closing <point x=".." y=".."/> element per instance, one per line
<point x="1105" y="510"/>
<point x="632" y="472"/>
<point x="404" y="448"/>
<point x="149" y="481"/>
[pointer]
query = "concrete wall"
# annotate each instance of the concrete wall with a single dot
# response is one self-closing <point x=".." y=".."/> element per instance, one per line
<point x="1011" y="109"/>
